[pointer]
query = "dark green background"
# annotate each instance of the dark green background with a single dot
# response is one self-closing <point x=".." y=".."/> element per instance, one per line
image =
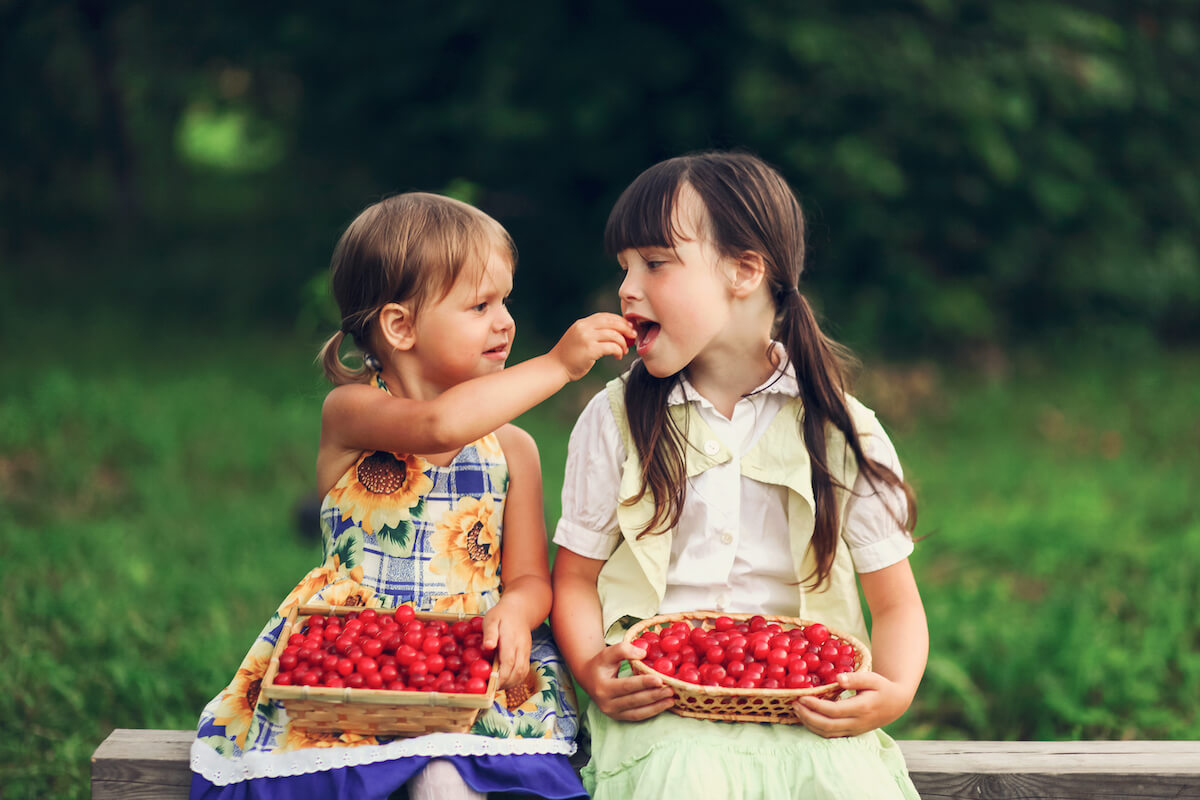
<point x="975" y="173"/>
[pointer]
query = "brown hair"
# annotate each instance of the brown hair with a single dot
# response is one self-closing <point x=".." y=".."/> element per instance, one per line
<point x="749" y="207"/>
<point x="409" y="248"/>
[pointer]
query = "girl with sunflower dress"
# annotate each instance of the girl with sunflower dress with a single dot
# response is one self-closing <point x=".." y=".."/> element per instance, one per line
<point x="431" y="499"/>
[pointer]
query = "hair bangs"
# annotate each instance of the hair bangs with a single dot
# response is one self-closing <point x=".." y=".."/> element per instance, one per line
<point x="458" y="238"/>
<point x="644" y="214"/>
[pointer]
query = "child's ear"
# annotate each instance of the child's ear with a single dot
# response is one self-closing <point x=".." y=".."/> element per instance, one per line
<point x="749" y="270"/>
<point x="396" y="326"/>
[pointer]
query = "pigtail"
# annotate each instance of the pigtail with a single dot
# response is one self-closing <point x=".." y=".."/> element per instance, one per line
<point x="336" y="370"/>
<point x="659" y="444"/>
<point x="821" y="365"/>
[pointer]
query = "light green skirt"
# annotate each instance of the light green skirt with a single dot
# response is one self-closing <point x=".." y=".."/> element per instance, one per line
<point x="680" y="758"/>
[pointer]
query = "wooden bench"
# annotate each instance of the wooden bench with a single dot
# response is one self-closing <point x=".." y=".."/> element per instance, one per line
<point x="149" y="763"/>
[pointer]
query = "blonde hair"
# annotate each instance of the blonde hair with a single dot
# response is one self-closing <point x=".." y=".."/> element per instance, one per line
<point x="409" y="248"/>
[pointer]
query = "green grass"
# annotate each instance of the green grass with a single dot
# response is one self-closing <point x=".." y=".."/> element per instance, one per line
<point x="148" y="486"/>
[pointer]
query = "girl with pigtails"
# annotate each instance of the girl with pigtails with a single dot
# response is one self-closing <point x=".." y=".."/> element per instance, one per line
<point x="433" y="499"/>
<point x="730" y="470"/>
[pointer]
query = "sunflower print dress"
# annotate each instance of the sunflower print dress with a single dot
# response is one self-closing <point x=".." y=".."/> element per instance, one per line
<point x="397" y="529"/>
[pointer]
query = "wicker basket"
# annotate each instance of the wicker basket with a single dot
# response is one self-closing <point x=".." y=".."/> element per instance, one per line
<point x="371" y="711"/>
<point x="739" y="705"/>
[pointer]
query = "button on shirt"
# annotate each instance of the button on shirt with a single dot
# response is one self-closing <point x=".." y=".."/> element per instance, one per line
<point x="731" y="551"/>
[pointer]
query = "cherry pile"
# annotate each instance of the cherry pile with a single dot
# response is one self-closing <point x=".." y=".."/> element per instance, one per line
<point x="395" y="651"/>
<point x="753" y="654"/>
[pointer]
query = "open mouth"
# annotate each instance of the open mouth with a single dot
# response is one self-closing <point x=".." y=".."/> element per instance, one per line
<point x="499" y="351"/>
<point x="647" y="332"/>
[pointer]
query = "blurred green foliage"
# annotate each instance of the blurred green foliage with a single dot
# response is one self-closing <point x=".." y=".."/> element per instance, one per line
<point x="975" y="173"/>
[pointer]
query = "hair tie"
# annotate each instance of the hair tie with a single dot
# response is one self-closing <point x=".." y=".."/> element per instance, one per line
<point x="787" y="292"/>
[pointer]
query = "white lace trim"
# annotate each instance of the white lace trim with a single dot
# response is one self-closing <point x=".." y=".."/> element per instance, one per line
<point x="223" y="771"/>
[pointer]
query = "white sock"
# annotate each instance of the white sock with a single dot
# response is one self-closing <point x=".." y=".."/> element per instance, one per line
<point x="440" y="781"/>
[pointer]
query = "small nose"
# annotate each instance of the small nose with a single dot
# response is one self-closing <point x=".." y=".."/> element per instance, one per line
<point x="504" y="320"/>
<point x="630" y="290"/>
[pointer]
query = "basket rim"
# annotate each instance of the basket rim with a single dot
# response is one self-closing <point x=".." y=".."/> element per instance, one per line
<point x="363" y="697"/>
<point x="639" y="665"/>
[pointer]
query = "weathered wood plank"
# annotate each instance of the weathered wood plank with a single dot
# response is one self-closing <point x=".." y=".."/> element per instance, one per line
<point x="142" y="764"/>
<point x="1054" y="770"/>
<point x="1152" y="757"/>
<point x="154" y="763"/>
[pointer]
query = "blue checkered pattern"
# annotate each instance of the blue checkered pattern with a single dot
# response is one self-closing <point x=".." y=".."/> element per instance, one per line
<point x="408" y="579"/>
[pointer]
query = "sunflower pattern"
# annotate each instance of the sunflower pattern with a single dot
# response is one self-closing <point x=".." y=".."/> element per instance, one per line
<point x="381" y="493"/>
<point x="234" y="708"/>
<point x="466" y="543"/>
<point x="398" y="529"/>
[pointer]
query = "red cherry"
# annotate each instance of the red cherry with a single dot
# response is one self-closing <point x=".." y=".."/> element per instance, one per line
<point x="405" y="655"/>
<point x="778" y="657"/>
<point x="795" y="681"/>
<point x="816" y="633"/>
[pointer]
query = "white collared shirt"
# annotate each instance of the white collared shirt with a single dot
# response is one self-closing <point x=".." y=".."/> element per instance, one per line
<point x="731" y="551"/>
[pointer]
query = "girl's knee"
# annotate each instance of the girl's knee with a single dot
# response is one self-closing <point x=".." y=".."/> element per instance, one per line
<point x="440" y="780"/>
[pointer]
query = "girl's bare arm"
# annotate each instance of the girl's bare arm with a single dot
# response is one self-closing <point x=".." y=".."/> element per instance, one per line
<point x="525" y="600"/>
<point x="577" y="623"/>
<point x="899" y="649"/>
<point x="357" y="417"/>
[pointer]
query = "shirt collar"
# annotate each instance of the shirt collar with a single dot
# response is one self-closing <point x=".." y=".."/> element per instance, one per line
<point x="781" y="381"/>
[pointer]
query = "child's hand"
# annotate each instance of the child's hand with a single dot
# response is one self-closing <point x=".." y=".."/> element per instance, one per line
<point x="878" y="703"/>
<point x="589" y="340"/>
<point x="508" y="635"/>
<point x="632" y="698"/>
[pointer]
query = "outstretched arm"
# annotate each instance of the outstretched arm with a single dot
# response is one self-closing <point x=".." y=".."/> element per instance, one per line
<point x="899" y="649"/>
<point x="357" y="417"/>
<point x="577" y="624"/>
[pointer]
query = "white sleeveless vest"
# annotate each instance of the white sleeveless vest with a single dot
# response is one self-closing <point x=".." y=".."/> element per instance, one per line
<point x="632" y="582"/>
